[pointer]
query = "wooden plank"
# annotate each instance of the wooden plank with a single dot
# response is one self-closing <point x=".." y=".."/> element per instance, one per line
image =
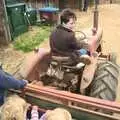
<point x="5" y="36"/>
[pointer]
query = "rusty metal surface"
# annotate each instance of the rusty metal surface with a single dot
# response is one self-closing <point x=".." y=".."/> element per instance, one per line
<point x="88" y="73"/>
<point x="79" y="103"/>
<point x="85" y="103"/>
<point x="75" y="97"/>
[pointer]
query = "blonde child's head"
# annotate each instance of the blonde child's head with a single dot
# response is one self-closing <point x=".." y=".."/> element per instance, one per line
<point x="14" y="108"/>
<point x="58" y="114"/>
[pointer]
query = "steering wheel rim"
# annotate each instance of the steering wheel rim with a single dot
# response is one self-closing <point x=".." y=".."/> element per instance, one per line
<point x="84" y="35"/>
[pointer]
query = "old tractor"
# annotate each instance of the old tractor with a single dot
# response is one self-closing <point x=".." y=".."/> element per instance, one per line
<point x="99" y="79"/>
<point x="54" y="83"/>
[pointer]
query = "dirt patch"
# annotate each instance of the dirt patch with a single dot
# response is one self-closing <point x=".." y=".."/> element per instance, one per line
<point x="10" y="58"/>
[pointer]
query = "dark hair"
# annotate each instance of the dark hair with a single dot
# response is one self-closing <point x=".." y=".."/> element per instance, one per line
<point x="66" y="14"/>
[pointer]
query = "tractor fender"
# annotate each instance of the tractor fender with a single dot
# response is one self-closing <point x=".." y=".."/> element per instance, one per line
<point x="34" y="62"/>
<point x="88" y="73"/>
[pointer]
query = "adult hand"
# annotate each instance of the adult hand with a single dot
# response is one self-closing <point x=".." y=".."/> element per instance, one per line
<point x="26" y="82"/>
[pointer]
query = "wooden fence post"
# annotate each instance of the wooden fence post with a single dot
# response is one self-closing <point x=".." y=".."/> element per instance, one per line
<point x="81" y="2"/>
<point x="5" y="36"/>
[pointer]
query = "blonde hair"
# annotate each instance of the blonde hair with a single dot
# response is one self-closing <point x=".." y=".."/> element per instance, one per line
<point x="58" y="114"/>
<point x="14" y="108"/>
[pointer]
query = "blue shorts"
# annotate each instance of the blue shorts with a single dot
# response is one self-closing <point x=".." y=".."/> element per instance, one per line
<point x="83" y="52"/>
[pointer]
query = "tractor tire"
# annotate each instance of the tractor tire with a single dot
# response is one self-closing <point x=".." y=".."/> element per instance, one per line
<point x="105" y="81"/>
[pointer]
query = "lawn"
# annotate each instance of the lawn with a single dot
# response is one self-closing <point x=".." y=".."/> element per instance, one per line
<point x="32" y="39"/>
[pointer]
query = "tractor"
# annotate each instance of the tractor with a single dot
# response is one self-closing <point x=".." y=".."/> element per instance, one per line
<point x="99" y="79"/>
<point x="87" y="91"/>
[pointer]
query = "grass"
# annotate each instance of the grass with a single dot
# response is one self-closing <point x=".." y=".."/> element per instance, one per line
<point x="31" y="39"/>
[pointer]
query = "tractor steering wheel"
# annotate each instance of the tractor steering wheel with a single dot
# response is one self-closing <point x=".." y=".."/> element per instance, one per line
<point x="82" y="36"/>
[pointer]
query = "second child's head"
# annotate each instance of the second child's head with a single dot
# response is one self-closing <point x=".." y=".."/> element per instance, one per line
<point x="14" y="108"/>
<point x="58" y="114"/>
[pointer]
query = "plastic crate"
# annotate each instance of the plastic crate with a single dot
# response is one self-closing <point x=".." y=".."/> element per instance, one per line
<point x="49" y="14"/>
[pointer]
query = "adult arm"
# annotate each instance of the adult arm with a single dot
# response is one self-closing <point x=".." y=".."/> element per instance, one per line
<point x="8" y="81"/>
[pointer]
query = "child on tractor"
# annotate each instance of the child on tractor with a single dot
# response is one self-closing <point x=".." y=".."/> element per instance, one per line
<point x="63" y="41"/>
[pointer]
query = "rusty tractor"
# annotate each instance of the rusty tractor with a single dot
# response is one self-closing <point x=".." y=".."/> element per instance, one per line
<point x="77" y="87"/>
<point x="99" y="79"/>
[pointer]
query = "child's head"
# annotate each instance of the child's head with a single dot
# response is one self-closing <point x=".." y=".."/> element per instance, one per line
<point x="14" y="108"/>
<point x="58" y="114"/>
<point x="68" y="18"/>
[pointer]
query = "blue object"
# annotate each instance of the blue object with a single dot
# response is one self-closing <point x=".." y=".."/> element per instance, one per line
<point x="49" y="9"/>
<point x="83" y="52"/>
<point x="8" y="82"/>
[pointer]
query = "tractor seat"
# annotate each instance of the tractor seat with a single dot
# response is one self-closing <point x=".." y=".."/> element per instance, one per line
<point x="63" y="60"/>
<point x="60" y="59"/>
<point x="67" y="62"/>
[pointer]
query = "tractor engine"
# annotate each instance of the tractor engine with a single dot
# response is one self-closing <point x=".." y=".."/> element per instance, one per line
<point x="61" y="76"/>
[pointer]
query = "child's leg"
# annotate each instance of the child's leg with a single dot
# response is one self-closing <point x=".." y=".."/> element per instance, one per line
<point x="34" y="113"/>
<point x="83" y="52"/>
<point x="84" y="56"/>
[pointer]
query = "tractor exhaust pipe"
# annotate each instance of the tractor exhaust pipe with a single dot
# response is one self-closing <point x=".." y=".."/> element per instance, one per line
<point x="95" y="17"/>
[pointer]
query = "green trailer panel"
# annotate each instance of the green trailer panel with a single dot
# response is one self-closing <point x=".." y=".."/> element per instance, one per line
<point x="17" y="19"/>
<point x="8" y="2"/>
<point x="31" y="16"/>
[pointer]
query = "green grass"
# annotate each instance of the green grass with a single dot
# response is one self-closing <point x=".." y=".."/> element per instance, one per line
<point x="31" y="39"/>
